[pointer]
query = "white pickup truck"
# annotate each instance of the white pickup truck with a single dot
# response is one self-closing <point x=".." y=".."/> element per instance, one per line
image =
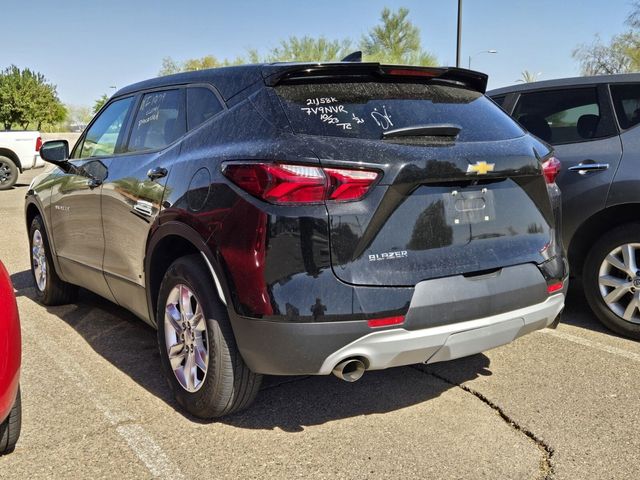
<point x="19" y="151"/>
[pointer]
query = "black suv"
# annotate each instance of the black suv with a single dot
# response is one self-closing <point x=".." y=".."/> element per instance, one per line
<point x="592" y="123"/>
<point x="295" y="219"/>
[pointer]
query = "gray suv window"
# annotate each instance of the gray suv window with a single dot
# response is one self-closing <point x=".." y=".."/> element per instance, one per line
<point x="202" y="104"/>
<point x="158" y="121"/>
<point x="626" y="101"/>
<point x="563" y="116"/>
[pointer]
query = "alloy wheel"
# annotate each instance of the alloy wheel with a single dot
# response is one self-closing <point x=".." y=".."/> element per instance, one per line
<point x="5" y="172"/>
<point x="619" y="282"/>
<point x="39" y="260"/>
<point x="185" y="331"/>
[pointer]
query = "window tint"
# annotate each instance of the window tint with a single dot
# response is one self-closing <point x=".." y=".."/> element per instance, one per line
<point x="499" y="100"/>
<point x="202" y="104"/>
<point x="563" y="116"/>
<point x="102" y="137"/>
<point x="626" y="100"/>
<point x="158" y="121"/>
<point x="367" y="109"/>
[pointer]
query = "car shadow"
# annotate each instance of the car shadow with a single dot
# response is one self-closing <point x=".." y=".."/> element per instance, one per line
<point x="578" y="313"/>
<point x="287" y="403"/>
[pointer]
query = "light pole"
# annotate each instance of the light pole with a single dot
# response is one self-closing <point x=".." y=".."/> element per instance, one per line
<point x="459" y="44"/>
<point x="478" y="53"/>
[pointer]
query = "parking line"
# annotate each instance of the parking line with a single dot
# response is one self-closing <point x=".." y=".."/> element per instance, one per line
<point x="139" y="440"/>
<point x="590" y="343"/>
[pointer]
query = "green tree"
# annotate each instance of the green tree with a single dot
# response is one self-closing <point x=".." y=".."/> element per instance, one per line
<point x="99" y="103"/>
<point x="599" y="58"/>
<point x="395" y="40"/>
<point x="620" y="55"/>
<point x="27" y="97"/>
<point x="48" y="108"/>
<point x="171" y="66"/>
<point x="309" y="49"/>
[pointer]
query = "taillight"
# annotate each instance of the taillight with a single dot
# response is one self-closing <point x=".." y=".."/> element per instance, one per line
<point x="551" y="169"/>
<point x="385" y="322"/>
<point x="296" y="184"/>
<point x="38" y="144"/>
<point x="555" y="287"/>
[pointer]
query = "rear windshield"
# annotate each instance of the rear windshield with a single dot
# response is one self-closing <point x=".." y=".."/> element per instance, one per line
<point x="366" y="110"/>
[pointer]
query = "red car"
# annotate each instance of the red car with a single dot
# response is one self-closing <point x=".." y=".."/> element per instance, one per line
<point x="10" y="351"/>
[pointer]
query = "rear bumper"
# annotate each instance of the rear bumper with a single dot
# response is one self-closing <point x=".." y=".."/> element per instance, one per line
<point x="276" y="348"/>
<point x="397" y="347"/>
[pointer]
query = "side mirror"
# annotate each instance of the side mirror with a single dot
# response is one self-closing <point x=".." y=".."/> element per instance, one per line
<point x="56" y="152"/>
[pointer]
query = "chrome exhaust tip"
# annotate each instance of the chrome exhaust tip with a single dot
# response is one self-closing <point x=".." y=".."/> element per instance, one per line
<point x="349" y="370"/>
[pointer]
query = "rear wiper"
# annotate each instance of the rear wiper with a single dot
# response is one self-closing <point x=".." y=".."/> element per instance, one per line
<point x="434" y="130"/>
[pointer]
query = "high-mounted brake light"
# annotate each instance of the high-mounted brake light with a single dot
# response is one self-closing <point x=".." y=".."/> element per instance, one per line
<point x="299" y="184"/>
<point x="551" y="169"/>
<point x="408" y="72"/>
<point x="38" y="144"/>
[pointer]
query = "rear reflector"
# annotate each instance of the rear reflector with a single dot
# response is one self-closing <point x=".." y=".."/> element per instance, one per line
<point x="38" y="144"/>
<point x="551" y="169"/>
<point x="554" y="287"/>
<point x="385" y="322"/>
<point x="300" y="184"/>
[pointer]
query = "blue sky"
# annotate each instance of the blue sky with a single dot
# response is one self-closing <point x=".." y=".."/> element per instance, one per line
<point x="84" y="47"/>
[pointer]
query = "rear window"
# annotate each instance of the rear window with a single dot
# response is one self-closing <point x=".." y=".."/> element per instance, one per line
<point x="366" y="110"/>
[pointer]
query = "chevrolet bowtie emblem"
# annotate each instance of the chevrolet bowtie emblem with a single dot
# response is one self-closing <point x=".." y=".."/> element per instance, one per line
<point x="481" y="168"/>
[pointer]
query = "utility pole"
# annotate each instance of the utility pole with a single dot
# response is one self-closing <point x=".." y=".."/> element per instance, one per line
<point x="459" y="44"/>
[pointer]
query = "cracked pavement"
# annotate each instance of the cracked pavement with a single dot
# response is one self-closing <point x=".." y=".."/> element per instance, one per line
<point x="554" y="404"/>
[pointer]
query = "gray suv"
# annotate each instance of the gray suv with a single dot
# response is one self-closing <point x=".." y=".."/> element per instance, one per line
<point x="592" y="122"/>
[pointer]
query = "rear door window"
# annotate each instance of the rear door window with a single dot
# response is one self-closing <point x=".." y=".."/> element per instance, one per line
<point x="367" y="109"/>
<point x="202" y="104"/>
<point x="563" y="116"/>
<point x="626" y="101"/>
<point x="158" y="122"/>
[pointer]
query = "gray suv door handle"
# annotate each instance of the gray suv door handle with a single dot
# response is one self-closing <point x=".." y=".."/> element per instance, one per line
<point x="584" y="168"/>
<point x="156" y="173"/>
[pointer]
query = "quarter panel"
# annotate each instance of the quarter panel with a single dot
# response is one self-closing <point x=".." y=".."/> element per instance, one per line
<point x="624" y="188"/>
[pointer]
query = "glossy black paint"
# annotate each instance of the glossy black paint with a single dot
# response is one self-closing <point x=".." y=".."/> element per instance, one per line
<point x="55" y="152"/>
<point x="305" y="264"/>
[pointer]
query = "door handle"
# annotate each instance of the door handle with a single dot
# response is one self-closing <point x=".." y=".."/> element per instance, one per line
<point x="585" y="168"/>
<point x="94" y="183"/>
<point x="156" y="173"/>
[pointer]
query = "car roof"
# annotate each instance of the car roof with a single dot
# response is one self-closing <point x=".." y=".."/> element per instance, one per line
<point x="567" y="82"/>
<point x="230" y="81"/>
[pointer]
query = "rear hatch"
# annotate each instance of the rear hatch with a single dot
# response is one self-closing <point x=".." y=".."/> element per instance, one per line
<point x="460" y="189"/>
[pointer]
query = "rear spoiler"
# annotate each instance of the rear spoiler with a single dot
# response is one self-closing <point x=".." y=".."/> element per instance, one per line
<point x="276" y="74"/>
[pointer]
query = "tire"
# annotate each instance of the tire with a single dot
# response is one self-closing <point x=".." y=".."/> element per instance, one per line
<point x="50" y="289"/>
<point x="226" y="384"/>
<point x="602" y="279"/>
<point x="8" y="173"/>
<point x="10" y="428"/>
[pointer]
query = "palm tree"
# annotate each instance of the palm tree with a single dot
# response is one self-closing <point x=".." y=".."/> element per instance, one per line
<point x="528" y="77"/>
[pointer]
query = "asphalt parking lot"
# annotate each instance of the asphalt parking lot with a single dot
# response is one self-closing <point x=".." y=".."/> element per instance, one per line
<point x="559" y="403"/>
